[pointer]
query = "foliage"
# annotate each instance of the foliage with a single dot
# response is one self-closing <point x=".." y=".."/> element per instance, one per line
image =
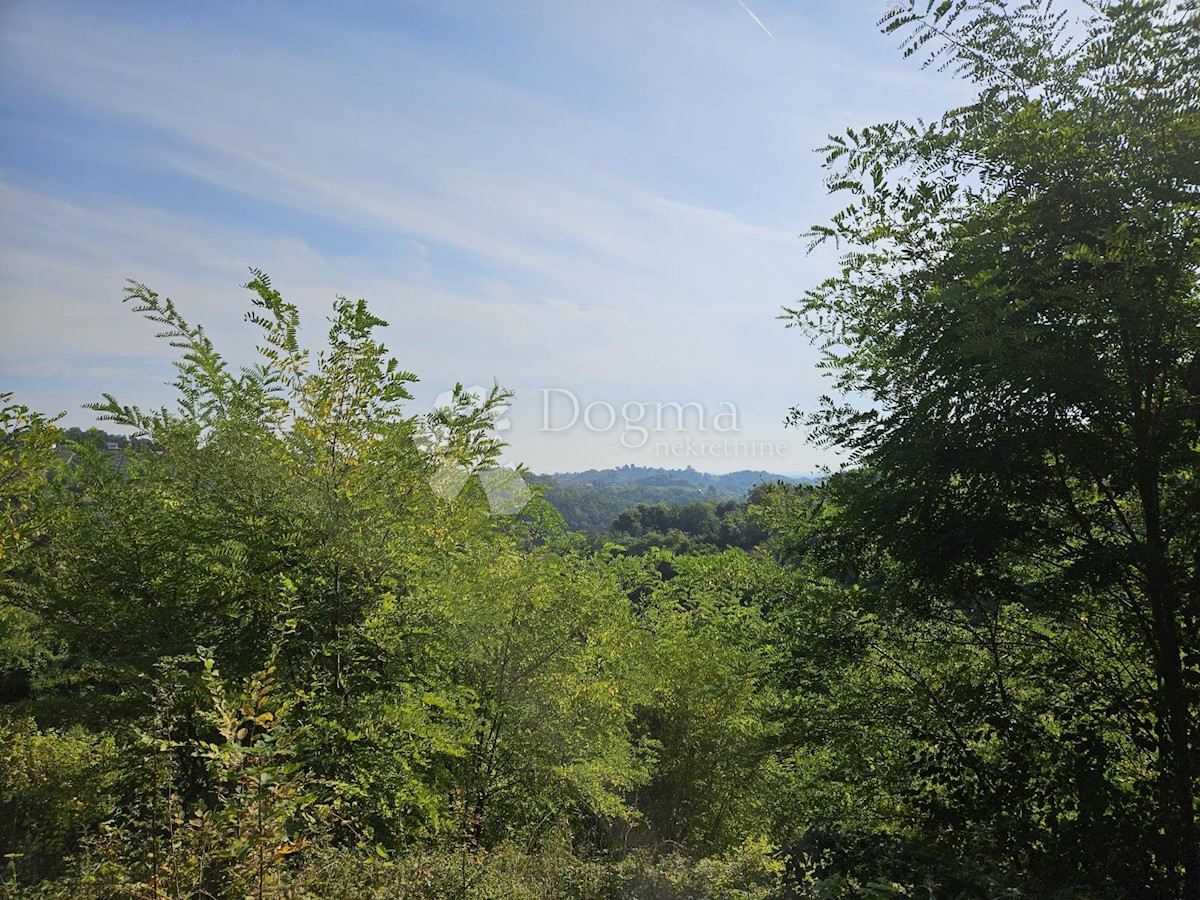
<point x="448" y="677"/>
<point x="549" y="652"/>
<point x="713" y="714"/>
<point x="275" y="643"/>
<point x="30" y="489"/>
<point x="55" y="787"/>
<point x="1018" y="306"/>
<point x="692" y="528"/>
<point x="591" y="500"/>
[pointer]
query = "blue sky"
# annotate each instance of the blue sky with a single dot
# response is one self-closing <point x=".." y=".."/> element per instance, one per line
<point x="601" y="199"/>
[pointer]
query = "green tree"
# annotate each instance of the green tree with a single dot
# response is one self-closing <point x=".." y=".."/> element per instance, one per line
<point x="447" y="673"/>
<point x="31" y="486"/>
<point x="305" y="467"/>
<point x="1018" y="305"/>
<point x="714" y="713"/>
<point x="549" y="652"/>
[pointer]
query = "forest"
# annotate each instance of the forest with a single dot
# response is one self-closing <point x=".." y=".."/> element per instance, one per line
<point x="281" y="644"/>
<point x="591" y="500"/>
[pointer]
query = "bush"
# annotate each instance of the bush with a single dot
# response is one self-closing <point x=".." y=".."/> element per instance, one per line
<point x="54" y="789"/>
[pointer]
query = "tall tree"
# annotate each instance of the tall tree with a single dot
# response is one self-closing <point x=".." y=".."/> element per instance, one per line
<point x="1019" y="307"/>
<point x="29" y="509"/>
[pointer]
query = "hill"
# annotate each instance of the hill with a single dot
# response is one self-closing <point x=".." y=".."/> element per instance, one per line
<point x="592" y="499"/>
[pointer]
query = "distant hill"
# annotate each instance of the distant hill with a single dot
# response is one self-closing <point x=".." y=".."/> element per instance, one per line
<point x="591" y="500"/>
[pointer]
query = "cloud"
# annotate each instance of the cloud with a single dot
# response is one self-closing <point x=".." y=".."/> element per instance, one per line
<point x="757" y="20"/>
<point x="64" y="369"/>
<point x="603" y="195"/>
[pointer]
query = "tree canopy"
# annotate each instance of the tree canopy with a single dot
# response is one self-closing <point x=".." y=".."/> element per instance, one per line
<point x="1018" y="307"/>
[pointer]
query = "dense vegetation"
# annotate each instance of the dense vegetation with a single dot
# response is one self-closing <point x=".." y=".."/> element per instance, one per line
<point x="591" y="500"/>
<point x="282" y="646"/>
<point x="703" y="527"/>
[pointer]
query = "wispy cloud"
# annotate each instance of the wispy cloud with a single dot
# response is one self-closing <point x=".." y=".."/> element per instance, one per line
<point x="756" y="19"/>
<point x="547" y="195"/>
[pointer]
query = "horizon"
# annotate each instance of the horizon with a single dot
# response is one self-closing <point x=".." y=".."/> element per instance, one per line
<point x="102" y="429"/>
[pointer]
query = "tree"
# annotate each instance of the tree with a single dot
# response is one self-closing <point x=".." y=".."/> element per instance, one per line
<point x="1018" y="305"/>
<point x="29" y="509"/>
<point x="547" y="650"/>
<point x="969" y="742"/>
<point x="714" y="710"/>
<point x="447" y="672"/>
<point x="305" y="467"/>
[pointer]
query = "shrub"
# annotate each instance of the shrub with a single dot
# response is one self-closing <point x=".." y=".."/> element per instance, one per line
<point x="54" y="788"/>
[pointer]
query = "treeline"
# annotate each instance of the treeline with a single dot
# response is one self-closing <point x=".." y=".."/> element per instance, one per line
<point x="693" y="528"/>
<point x="591" y="500"/>
<point x="734" y="484"/>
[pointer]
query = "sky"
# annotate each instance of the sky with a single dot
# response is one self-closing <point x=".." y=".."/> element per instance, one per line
<point x="598" y="205"/>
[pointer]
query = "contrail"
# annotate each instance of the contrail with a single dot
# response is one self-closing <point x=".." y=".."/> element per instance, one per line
<point x="756" y="19"/>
